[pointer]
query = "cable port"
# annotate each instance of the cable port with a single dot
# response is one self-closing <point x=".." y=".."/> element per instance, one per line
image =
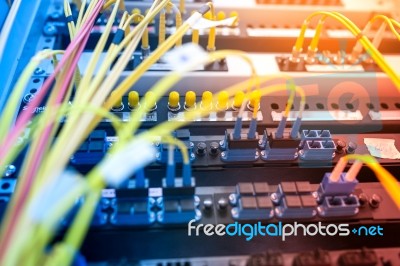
<point x="318" y="150"/>
<point x="335" y="197"/>
<point x="294" y="200"/>
<point x="317" y="145"/>
<point x="243" y="149"/>
<point x="252" y="202"/>
<point x="274" y="148"/>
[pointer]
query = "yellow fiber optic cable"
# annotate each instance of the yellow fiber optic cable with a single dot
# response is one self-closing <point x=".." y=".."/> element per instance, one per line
<point x="389" y="183"/>
<point x="182" y="6"/>
<point x="370" y="49"/>
<point x="11" y="106"/>
<point x="212" y="31"/>
<point x="71" y="131"/>
<point x="389" y="22"/>
<point x="178" y="23"/>
<point x="162" y="86"/>
<point x="161" y="28"/>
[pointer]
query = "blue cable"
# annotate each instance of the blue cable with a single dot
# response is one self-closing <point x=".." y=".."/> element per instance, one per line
<point x="281" y="128"/>
<point x="187" y="175"/>
<point x="295" y="128"/>
<point x="252" y="129"/>
<point x="238" y="128"/>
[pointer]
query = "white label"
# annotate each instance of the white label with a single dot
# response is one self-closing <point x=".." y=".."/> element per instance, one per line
<point x="382" y="148"/>
<point x="179" y="58"/>
<point x="155" y="192"/>
<point x="108" y="193"/>
<point x="203" y="23"/>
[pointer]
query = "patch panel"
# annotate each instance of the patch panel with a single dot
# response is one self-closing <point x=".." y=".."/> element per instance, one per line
<point x="207" y="152"/>
<point x="356" y="103"/>
<point x="218" y="205"/>
<point x="245" y="202"/>
<point x="327" y="63"/>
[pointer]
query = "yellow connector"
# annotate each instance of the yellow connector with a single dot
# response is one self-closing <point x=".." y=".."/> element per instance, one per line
<point x="255" y="97"/>
<point x="173" y="101"/>
<point x="136" y="19"/>
<point x="221" y="15"/>
<point x="118" y="105"/>
<point x="190" y="100"/>
<point x="238" y="100"/>
<point x="206" y="100"/>
<point x="133" y="99"/>
<point x="235" y="14"/>
<point x="222" y="103"/>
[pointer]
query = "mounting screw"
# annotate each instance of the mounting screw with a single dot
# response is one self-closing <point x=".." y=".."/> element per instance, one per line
<point x="214" y="146"/>
<point x="201" y="148"/>
<point x="363" y="199"/>
<point x="207" y="204"/>
<point x="375" y="201"/>
<point x="49" y="29"/>
<point x="340" y="146"/>
<point x="351" y="148"/>
<point x="222" y="203"/>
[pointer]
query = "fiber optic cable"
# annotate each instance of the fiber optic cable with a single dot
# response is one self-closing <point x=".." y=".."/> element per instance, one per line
<point x="72" y="133"/>
<point x="212" y="31"/>
<point x="161" y="28"/>
<point x="371" y="50"/>
<point x="19" y="128"/>
<point x="25" y="116"/>
<point x="161" y="87"/>
<point x="389" y="183"/>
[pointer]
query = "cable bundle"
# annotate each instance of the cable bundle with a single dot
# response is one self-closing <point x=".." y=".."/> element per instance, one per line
<point x="26" y="232"/>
